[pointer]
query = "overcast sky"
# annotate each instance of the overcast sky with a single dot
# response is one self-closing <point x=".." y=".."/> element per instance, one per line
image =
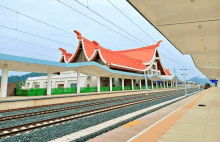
<point x="62" y="17"/>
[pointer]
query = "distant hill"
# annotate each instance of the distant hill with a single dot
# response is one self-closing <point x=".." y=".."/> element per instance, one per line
<point x="22" y="78"/>
<point x="201" y="80"/>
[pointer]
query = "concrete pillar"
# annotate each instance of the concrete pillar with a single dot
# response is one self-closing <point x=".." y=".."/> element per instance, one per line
<point x="49" y="79"/>
<point x="171" y="83"/>
<point x="110" y="83"/>
<point x="161" y="85"/>
<point x="167" y="84"/>
<point x="4" y="82"/>
<point x="176" y="84"/>
<point x="156" y="85"/>
<point x="98" y="83"/>
<point x="132" y="84"/>
<point x="123" y="83"/>
<point x="152" y="84"/>
<point x="66" y="83"/>
<point x="78" y="81"/>
<point x="164" y="84"/>
<point x="41" y="84"/>
<point x="53" y="84"/>
<point x="140" y="83"/>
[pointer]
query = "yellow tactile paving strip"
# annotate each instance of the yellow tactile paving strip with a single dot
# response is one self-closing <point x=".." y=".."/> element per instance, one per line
<point x="155" y="132"/>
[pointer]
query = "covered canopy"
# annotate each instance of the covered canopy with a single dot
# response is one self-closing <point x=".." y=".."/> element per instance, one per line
<point x="192" y="26"/>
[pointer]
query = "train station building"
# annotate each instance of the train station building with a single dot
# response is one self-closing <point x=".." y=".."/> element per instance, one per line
<point x="94" y="66"/>
<point x="139" y="60"/>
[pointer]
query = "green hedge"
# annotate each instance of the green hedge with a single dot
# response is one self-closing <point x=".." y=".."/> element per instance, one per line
<point x="58" y="91"/>
<point x="117" y="88"/>
<point x="155" y="87"/>
<point x="104" y="89"/>
<point x="88" y="89"/>
<point x="149" y="87"/>
<point x="31" y="92"/>
<point x="127" y="87"/>
<point x="136" y="87"/>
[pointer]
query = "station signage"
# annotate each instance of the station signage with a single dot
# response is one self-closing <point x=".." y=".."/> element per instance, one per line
<point x="159" y="81"/>
<point x="214" y="80"/>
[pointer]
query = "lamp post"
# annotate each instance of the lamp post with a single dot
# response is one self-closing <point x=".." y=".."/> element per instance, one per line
<point x="184" y="79"/>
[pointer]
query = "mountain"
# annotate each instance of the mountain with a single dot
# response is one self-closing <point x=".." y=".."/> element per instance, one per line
<point x="12" y="79"/>
<point x="201" y="80"/>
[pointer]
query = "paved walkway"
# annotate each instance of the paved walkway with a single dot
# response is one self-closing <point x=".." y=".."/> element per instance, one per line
<point x="182" y="121"/>
<point x="199" y="124"/>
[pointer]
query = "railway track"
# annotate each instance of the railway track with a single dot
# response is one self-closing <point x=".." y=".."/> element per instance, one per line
<point x="11" y="117"/>
<point x="6" y="132"/>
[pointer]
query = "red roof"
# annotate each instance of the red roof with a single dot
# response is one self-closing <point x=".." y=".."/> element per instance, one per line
<point x="132" y="58"/>
<point x="168" y="72"/>
<point x="67" y="55"/>
<point x="111" y="57"/>
<point x="144" y="53"/>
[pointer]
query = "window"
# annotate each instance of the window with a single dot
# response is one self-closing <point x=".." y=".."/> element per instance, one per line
<point x="73" y="85"/>
<point x="37" y="86"/>
<point x="60" y="85"/>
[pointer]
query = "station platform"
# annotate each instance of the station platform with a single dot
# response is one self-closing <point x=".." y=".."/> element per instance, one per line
<point x="18" y="102"/>
<point x="193" y="119"/>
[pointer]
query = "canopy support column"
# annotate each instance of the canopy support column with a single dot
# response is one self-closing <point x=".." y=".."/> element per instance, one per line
<point x="152" y="84"/>
<point x="156" y="85"/>
<point x="132" y="84"/>
<point x="110" y="83"/>
<point x="98" y="83"/>
<point x="4" y="81"/>
<point x="78" y="81"/>
<point x="171" y="83"/>
<point x="140" y="83"/>
<point x="49" y="79"/>
<point x="164" y="84"/>
<point x="146" y="84"/>
<point x="123" y="83"/>
<point x="161" y="85"/>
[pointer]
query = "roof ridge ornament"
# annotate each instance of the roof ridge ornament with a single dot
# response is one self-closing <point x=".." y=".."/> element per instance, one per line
<point x="63" y="50"/>
<point x="79" y="36"/>
<point x="95" y="42"/>
<point x="158" y="43"/>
